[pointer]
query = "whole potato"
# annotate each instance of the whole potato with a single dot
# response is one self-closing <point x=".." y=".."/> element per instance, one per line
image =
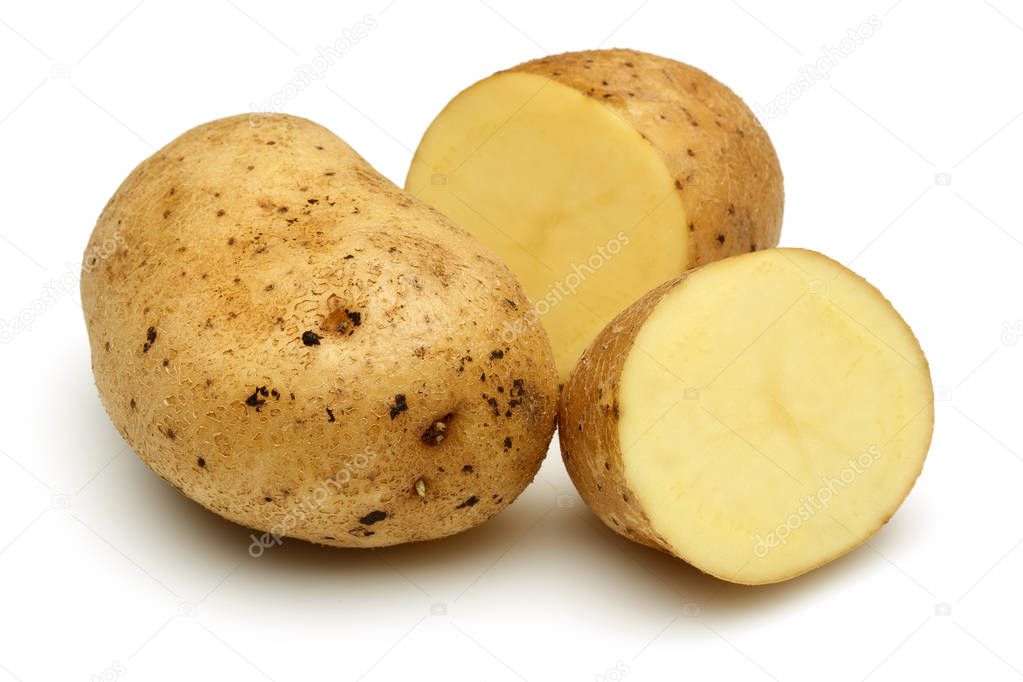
<point x="305" y="349"/>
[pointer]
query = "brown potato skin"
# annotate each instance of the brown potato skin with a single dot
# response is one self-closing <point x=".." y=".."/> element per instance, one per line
<point x="726" y="171"/>
<point x="588" y="424"/>
<point x="235" y="240"/>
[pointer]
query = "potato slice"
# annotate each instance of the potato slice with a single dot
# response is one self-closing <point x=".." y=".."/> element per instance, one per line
<point x="598" y="175"/>
<point x="757" y="417"/>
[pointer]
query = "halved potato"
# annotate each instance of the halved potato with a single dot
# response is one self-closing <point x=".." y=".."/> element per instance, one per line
<point x="757" y="417"/>
<point x="598" y="175"/>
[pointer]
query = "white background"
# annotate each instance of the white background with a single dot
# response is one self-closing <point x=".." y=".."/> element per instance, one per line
<point x="904" y="164"/>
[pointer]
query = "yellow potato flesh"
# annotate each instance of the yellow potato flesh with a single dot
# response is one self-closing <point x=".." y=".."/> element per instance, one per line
<point x="775" y="411"/>
<point x="578" y="204"/>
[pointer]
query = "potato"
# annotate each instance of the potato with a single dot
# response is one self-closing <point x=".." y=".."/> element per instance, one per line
<point x="757" y="417"/>
<point x="303" y="348"/>
<point x="599" y="175"/>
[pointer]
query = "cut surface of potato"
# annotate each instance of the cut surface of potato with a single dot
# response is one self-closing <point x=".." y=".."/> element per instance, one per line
<point x="598" y="175"/>
<point x="768" y="413"/>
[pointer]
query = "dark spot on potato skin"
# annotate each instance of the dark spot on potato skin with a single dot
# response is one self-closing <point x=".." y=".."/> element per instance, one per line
<point x="471" y="502"/>
<point x="258" y="398"/>
<point x="496" y="354"/>
<point x="373" y="517"/>
<point x="720" y="238"/>
<point x="518" y="388"/>
<point x="467" y="469"/>
<point x="507" y="443"/>
<point x="311" y="338"/>
<point x="201" y="462"/>
<point x="400" y="405"/>
<point x="330" y="415"/>
<point x="493" y="404"/>
<point x="150" y="339"/>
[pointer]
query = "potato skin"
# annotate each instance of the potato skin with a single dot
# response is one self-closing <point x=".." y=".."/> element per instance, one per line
<point x="726" y="171"/>
<point x="588" y="424"/>
<point x="285" y="336"/>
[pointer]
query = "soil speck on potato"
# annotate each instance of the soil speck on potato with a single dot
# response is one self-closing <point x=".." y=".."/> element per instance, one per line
<point x="201" y="462"/>
<point x="258" y="398"/>
<point x="493" y="404"/>
<point x="471" y="502"/>
<point x="311" y="338"/>
<point x="372" y="517"/>
<point x="150" y="339"/>
<point x="330" y="415"/>
<point x="399" y="405"/>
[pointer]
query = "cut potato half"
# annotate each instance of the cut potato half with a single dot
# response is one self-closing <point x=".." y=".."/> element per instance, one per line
<point x="598" y="175"/>
<point x="757" y="417"/>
